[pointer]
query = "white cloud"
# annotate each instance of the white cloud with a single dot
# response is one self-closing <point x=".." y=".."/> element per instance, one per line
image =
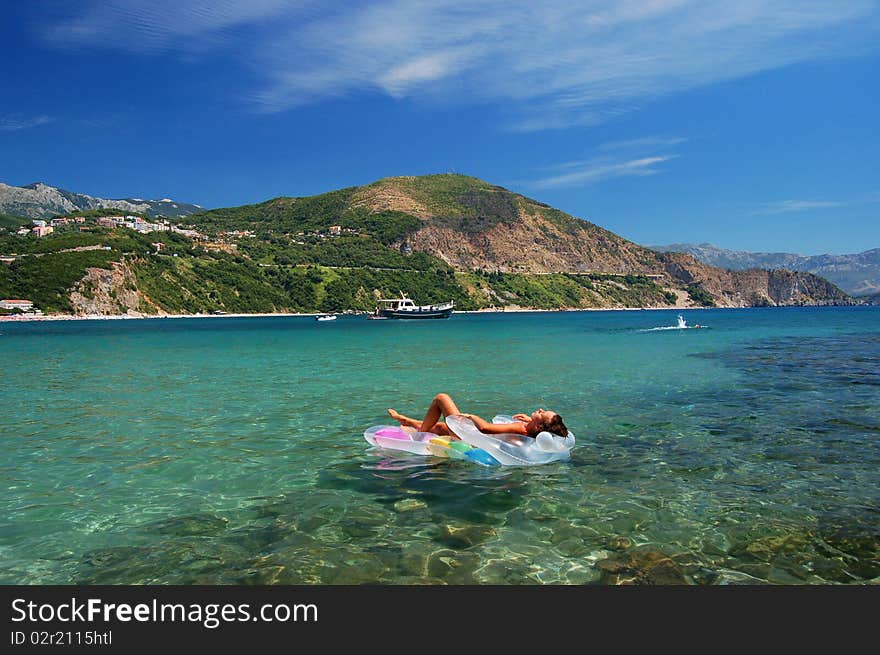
<point x="162" y="25"/>
<point x="552" y="64"/>
<point x="788" y="206"/>
<point x="590" y="172"/>
<point x="422" y="69"/>
<point x="15" y="123"/>
<point x="643" y="142"/>
<point x="638" y="157"/>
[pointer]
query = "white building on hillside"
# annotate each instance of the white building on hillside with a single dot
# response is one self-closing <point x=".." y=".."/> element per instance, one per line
<point x="24" y="305"/>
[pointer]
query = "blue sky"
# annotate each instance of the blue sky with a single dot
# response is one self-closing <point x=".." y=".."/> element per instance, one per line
<point x="750" y="125"/>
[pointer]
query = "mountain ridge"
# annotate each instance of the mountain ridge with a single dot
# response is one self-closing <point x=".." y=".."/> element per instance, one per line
<point x="436" y="237"/>
<point x="39" y="200"/>
<point x="471" y="225"/>
<point x="858" y="274"/>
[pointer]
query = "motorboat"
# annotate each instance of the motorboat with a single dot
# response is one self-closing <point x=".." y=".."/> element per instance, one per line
<point x="404" y="307"/>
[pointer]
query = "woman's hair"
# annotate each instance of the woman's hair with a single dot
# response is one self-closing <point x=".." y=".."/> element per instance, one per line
<point x="556" y="426"/>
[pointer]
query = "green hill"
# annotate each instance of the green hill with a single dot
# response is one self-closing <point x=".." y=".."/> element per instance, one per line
<point x="12" y="222"/>
<point x="436" y="237"/>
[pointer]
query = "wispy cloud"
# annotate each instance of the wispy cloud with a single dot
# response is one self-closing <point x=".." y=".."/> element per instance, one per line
<point x="590" y="172"/>
<point x="14" y="123"/>
<point x="637" y="157"/>
<point x="792" y="206"/>
<point x="789" y="206"/>
<point x="643" y="142"/>
<point x="155" y="26"/>
<point x="553" y="63"/>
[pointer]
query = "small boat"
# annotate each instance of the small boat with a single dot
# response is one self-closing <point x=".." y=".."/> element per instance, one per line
<point x="326" y="317"/>
<point x="404" y="307"/>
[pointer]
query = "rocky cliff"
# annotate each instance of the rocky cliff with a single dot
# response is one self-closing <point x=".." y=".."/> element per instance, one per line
<point x="104" y="292"/>
<point x="754" y="287"/>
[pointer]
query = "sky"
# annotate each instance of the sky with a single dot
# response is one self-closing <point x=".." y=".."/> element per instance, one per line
<point x="749" y="125"/>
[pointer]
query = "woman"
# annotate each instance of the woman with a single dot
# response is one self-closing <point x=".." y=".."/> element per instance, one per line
<point x="541" y="420"/>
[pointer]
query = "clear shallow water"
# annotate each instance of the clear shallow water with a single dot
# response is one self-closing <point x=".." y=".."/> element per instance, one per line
<point x="229" y="450"/>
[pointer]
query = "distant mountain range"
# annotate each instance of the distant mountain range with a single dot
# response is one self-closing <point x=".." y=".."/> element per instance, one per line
<point x="40" y="200"/>
<point x="857" y="274"/>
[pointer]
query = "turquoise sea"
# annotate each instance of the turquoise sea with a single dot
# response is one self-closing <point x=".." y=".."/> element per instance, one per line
<point x="230" y="450"/>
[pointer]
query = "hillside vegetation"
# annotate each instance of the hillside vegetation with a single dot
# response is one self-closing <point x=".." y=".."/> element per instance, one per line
<point x="12" y="222"/>
<point x="436" y="238"/>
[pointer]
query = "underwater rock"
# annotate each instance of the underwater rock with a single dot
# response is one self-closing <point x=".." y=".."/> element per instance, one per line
<point x="313" y="565"/>
<point x="505" y="571"/>
<point x="409" y="504"/>
<point x="737" y="578"/>
<point x="311" y="524"/>
<point x="787" y="576"/>
<point x="116" y="556"/>
<point x="265" y="575"/>
<point x="357" y="529"/>
<point x="460" y="537"/>
<point x="261" y="537"/>
<point x="418" y="580"/>
<point x="619" y="543"/>
<point x="702" y="575"/>
<point x="452" y="567"/>
<point x="768" y="547"/>
<point x="860" y="554"/>
<point x="642" y="566"/>
<point x="178" y="561"/>
<point x="572" y="547"/>
<point x="202" y="524"/>
<point x="757" y="571"/>
<point x="360" y="568"/>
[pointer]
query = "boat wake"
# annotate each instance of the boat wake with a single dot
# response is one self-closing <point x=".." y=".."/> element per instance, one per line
<point x="681" y="325"/>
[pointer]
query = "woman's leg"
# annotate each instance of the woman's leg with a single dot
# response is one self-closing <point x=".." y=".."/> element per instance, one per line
<point x="442" y="405"/>
<point x="404" y="420"/>
<point x="439" y="428"/>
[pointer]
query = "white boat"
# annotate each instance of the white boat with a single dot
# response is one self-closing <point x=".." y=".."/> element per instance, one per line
<point x="326" y="317"/>
<point x="404" y="307"/>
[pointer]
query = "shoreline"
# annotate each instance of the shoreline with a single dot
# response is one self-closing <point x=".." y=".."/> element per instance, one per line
<point x="130" y="317"/>
<point x="518" y="310"/>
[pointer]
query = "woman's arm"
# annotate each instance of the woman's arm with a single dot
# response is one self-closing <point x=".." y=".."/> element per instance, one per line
<point x="497" y="428"/>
